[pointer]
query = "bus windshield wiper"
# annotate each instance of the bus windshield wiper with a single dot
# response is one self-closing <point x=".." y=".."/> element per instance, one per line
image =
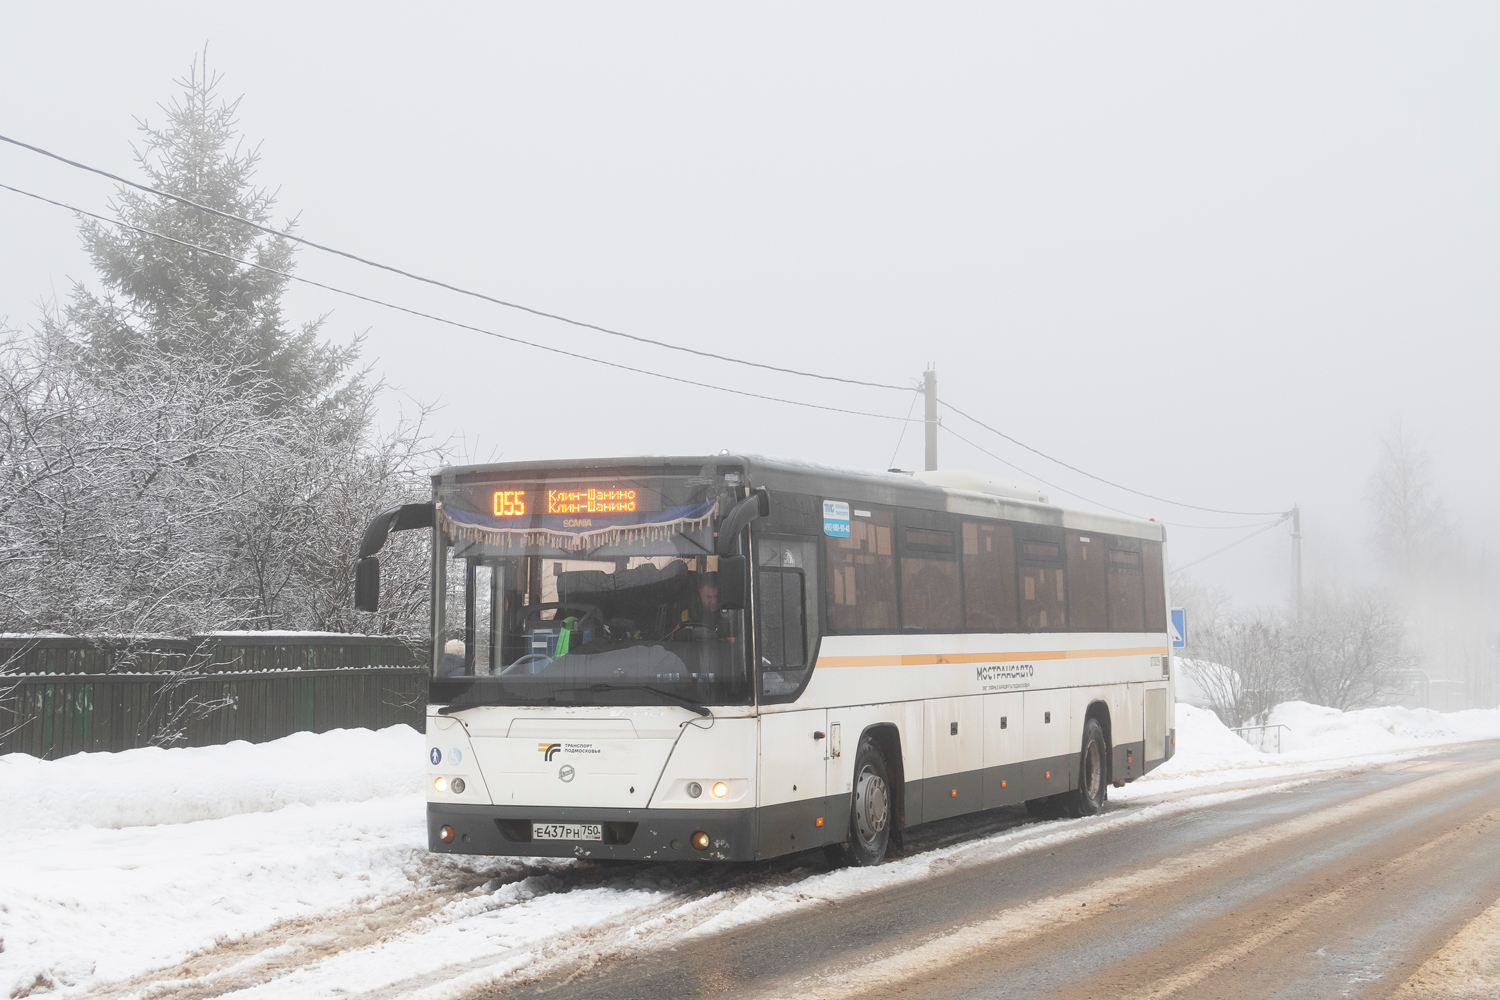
<point x="464" y="704"/>
<point x="685" y="702"/>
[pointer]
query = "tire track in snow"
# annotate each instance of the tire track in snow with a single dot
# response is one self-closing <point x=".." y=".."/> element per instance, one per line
<point x="297" y="942"/>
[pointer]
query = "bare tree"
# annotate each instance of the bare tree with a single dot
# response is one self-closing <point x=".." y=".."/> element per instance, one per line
<point x="1240" y="666"/>
<point x="1412" y="532"/>
<point x="1348" y="650"/>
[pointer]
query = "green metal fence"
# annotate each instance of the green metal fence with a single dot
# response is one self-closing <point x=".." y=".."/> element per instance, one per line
<point x="198" y="691"/>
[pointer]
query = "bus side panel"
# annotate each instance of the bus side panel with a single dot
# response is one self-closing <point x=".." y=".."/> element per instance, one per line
<point x="954" y="757"/>
<point x="1003" y="750"/>
<point x="1156" y="723"/>
<point x="1128" y="752"/>
<point x="1047" y="738"/>
<point x="793" y="784"/>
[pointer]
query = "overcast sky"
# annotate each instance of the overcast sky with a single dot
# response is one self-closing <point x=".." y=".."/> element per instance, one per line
<point x="1210" y="252"/>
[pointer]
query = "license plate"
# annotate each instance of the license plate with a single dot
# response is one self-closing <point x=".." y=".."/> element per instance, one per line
<point x="567" y="831"/>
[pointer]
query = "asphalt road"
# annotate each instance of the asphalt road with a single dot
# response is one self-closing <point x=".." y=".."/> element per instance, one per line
<point x="1376" y="883"/>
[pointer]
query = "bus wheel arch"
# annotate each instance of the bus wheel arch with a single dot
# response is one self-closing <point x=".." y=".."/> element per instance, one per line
<point x="887" y="738"/>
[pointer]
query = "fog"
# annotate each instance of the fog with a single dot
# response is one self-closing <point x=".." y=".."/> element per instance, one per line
<point x="1210" y="253"/>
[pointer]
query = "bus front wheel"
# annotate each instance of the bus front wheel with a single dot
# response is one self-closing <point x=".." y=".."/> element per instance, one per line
<point x="869" y="809"/>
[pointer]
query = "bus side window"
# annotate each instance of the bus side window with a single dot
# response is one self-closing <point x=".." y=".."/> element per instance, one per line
<point x="1086" y="590"/>
<point x="989" y="556"/>
<point x="929" y="580"/>
<point x="1044" y="594"/>
<point x="786" y="614"/>
<point x="1155" y="587"/>
<point x="1127" y="611"/>
<point x="862" y="573"/>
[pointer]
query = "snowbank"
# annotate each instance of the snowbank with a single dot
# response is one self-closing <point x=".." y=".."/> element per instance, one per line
<point x="1315" y="729"/>
<point x="1317" y="739"/>
<point x="152" y="786"/>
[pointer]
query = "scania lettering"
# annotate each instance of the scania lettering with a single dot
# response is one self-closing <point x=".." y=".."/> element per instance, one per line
<point x="734" y="658"/>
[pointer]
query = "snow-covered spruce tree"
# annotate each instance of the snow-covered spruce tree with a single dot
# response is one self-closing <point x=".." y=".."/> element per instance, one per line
<point x="179" y="457"/>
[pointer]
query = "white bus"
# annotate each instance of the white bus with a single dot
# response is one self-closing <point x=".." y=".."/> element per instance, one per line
<point x="734" y="658"/>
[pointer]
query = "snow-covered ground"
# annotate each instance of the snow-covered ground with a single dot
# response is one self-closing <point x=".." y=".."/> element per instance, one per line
<point x="297" y="868"/>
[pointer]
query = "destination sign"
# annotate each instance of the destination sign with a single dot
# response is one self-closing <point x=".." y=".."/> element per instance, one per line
<point x="604" y="499"/>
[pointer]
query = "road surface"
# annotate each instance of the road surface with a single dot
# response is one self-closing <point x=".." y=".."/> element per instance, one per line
<point x="1381" y="882"/>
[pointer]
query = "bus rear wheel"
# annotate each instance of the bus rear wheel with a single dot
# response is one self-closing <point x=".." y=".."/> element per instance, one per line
<point x="1093" y="774"/>
<point x="870" y="810"/>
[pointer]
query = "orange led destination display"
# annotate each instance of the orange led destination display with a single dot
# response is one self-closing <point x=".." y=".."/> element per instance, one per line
<point x="579" y="500"/>
<point x="591" y="500"/>
<point x="510" y="503"/>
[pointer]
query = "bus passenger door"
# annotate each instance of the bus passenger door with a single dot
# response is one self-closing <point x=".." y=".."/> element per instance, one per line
<point x="1003" y="719"/>
<point x="1048" y="742"/>
<point x="793" y="782"/>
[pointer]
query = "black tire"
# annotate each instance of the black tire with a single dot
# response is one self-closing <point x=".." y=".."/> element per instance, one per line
<point x="1093" y="774"/>
<point x="870" y="812"/>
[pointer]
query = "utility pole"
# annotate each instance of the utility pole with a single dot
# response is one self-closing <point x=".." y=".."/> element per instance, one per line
<point x="929" y="390"/>
<point x="1297" y="559"/>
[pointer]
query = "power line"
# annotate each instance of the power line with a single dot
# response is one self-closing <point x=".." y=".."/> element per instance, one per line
<point x="1127" y="489"/>
<point x="440" y="319"/>
<point x="434" y="281"/>
<point x="902" y="436"/>
<point x="1266" y="527"/>
<point x="1028" y="475"/>
<point x="573" y="322"/>
<point x="1117" y="510"/>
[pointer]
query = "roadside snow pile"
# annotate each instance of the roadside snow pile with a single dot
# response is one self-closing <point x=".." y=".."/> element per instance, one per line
<point x="146" y="855"/>
<point x="1317" y="739"/>
<point x="1204" y="744"/>
<point x="152" y="786"/>
<point x="1314" y="729"/>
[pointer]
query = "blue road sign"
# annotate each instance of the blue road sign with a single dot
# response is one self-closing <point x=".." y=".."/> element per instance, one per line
<point x="1179" y="628"/>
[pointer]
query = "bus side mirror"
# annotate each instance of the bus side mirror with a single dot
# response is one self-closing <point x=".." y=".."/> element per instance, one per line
<point x="367" y="584"/>
<point x="734" y="582"/>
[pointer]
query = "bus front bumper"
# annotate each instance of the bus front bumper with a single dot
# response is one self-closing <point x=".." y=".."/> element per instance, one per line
<point x="628" y="834"/>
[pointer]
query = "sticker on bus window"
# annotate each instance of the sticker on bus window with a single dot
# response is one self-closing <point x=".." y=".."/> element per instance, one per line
<point x="836" y="518"/>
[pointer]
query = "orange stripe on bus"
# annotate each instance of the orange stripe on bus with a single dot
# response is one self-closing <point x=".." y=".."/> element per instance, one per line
<point x="923" y="659"/>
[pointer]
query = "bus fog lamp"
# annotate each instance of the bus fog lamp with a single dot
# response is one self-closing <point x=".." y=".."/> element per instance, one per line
<point x="440" y="785"/>
<point x="694" y="789"/>
<point x="700" y="841"/>
<point x="446" y="835"/>
<point x="720" y="789"/>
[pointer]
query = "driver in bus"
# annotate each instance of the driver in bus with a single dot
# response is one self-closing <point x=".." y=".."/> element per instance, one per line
<point x="704" y="608"/>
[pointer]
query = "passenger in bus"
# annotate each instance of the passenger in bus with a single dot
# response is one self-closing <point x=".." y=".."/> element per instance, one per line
<point x="453" y="659"/>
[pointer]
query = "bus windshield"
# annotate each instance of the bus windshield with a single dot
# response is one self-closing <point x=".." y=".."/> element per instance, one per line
<point x="585" y="592"/>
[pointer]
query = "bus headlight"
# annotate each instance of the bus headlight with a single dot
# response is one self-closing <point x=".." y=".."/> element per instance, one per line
<point x="458" y="786"/>
<point x="694" y="789"/>
<point x="720" y="789"/>
<point x="440" y="785"/>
